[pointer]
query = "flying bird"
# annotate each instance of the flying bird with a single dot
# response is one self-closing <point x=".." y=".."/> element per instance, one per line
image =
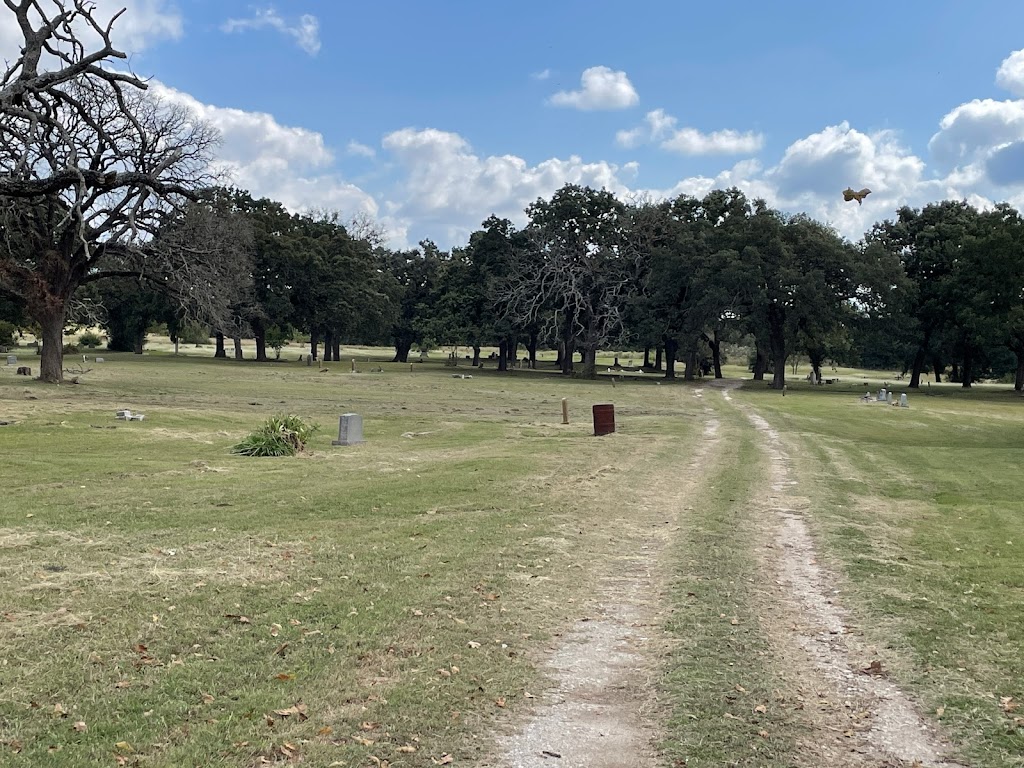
<point x="849" y="194"/>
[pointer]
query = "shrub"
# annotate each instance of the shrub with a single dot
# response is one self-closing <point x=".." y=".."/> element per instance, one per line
<point x="90" y="340"/>
<point x="7" y="333"/>
<point x="70" y="349"/>
<point x="278" y="436"/>
<point x="194" y="333"/>
<point x="277" y="338"/>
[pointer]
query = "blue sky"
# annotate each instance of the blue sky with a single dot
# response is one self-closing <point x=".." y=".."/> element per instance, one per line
<point x="431" y="116"/>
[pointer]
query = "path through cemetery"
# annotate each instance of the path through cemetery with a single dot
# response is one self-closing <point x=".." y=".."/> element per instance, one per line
<point x="604" y="707"/>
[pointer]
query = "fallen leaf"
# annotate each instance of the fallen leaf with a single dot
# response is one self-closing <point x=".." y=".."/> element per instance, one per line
<point x="362" y="741"/>
<point x="59" y="711"/>
<point x="124" y="746"/>
<point x="296" y="709"/>
<point x="763" y="734"/>
<point x="473" y="644"/>
<point x="367" y="726"/>
<point x="734" y="621"/>
<point x="446" y="759"/>
<point x="80" y="726"/>
<point x="740" y="688"/>
<point x="1008" y="704"/>
<point x="940" y="711"/>
<point x="281" y="649"/>
<point x="761" y="709"/>
<point x="408" y="748"/>
<point x="284" y="676"/>
<point x="275" y="630"/>
<point x="549" y="753"/>
<point x="325" y="731"/>
<point x="500" y="701"/>
<point x="208" y="698"/>
<point x="123" y="684"/>
<point x="417" y="612"/>
<point x="238" y="617"/>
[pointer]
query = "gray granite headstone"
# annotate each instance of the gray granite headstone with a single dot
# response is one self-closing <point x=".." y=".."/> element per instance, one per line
<point x="881" y="395"/>
<point x="12" y="359"/>
<point x="99" y="360"/>
<point x="350" y="429"/>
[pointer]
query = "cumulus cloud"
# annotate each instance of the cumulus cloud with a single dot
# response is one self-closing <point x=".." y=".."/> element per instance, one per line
<point x="288" y="164"/>
<point x="449" y="189"/>
<point x="971" y="131"/>
<point x="305" y="31"/>
<point x="601" y="88"/>
<point x="658" y="126"/>
<point x="1010" y="75"/>
<point x="544" y="74"/>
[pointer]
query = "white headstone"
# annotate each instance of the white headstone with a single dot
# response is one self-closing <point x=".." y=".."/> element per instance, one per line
<point x="903" y="401"/>
<point x="881" y="395"/>
<point x="888" y="397"/>
<point x="12" y="359"/>
<point x="99" y="360"/>
<point x="350" y="429"/>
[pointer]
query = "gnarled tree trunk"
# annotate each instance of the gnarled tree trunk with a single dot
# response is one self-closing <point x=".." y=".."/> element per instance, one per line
<point x="238" y="347"/>
<point x="51" y="358"/>
<point x="219" y="351"/>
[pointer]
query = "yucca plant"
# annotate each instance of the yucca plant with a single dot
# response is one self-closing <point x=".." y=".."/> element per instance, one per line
<point x="278" y="436"/>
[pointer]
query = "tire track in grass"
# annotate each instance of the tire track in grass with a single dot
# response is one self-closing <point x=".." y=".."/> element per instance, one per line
<point x="863" y="718"/>
<point x="599" y="712"/>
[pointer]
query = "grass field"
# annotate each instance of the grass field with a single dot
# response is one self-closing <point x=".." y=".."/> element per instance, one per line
<point x="167" y="603"/>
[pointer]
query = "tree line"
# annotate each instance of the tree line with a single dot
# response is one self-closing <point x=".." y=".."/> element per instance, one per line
<point x="111" y="211"/>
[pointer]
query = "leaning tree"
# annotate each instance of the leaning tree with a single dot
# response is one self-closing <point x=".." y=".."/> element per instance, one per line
<point x="92" y="167"/>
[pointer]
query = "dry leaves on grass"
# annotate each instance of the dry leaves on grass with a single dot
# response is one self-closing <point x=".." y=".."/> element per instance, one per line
<point x="1008" y="704"/>
<point x="298" y="709"/>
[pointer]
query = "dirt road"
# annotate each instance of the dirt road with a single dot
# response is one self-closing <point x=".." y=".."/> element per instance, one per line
<point x="605" y="707"/>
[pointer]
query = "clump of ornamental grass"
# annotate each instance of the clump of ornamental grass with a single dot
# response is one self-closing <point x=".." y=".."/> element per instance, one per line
<point x="277" y="436"/>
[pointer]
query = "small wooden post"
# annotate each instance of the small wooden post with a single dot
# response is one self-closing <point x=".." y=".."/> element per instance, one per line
<point x="565" y="410"/>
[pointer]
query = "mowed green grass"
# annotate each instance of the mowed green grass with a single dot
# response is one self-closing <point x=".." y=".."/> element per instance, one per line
<point x="166" y="603"/>
<point x="922" y="511"/>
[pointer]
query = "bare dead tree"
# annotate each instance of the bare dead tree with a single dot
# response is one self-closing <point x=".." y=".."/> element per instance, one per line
<point x="586" y="261"/>
<point x="91" y="165"/>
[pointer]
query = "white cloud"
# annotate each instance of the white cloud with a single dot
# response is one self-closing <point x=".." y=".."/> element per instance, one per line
<point x="661" y="127"/>
<point x="655" y="126"/>
<point x="360" y="150"/>
<point x="448" y="189"/>
<point x="1010" y="75"/>
<point x="602" y="88"/>
<point x="305" y="31"/>
<point x="544" y="74"/>
<point x="288" y="164"/>
<point x="971" y="131"/>
<point x="690" y="141"/>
